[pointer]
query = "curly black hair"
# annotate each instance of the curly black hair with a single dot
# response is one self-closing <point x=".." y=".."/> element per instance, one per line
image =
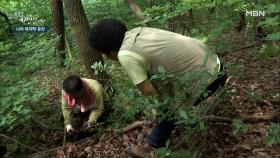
<point x="72" y="84"/>
<point x="107" y="35"/>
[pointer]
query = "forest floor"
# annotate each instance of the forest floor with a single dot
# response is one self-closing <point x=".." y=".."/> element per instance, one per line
<point x="252" y="74"/>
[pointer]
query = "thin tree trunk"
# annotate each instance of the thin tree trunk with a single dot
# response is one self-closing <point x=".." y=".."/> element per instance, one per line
<point x="187" y="21"/>
<point x="260" y="31"/>
<point x="151" y="3"/>
<point x="190" y="17"/>
<point x="7" y="21"/>
<point x="135" y="9"/>
<point x="58" y="22"/>
<point x="68" y="47"/>
<point x="241" y="22"/>
<point x="172" y="20"/>
<point x="80" y="28"/>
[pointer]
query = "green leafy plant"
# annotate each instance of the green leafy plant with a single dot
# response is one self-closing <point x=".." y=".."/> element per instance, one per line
<point x="128" y="103"/>
<point x="268" y="51"/>
<point x="167" y="153"/>
<point x="239" y="126"/>
<point x="273" y="134"/>
<point x="19" y="90"/>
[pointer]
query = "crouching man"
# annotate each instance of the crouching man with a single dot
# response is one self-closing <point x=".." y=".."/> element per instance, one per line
<point x="82" y="96"/>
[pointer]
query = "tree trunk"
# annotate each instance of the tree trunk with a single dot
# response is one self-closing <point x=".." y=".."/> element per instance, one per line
<point x="172" y="20"/>
<point x="151" y="3"/>
<point x="80" y="28"/>
<point x="7" y="21"/>
<point x="260" y="31"/>
<point x="190" y="17"/>
<point x="58" y="24"/>
<point x="187" y="21"/>
<point x="68" y="47"/>
<point x="135" y="9"/>
<point x="241" y="22"/>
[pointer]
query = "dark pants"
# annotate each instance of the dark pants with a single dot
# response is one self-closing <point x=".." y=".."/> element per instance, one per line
<point x="163" y="129"/>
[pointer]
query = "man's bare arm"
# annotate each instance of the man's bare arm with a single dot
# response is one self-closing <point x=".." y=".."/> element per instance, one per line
<point x="147" y="88"/>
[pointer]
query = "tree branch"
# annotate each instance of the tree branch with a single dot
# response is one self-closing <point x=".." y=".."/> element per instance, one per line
<point x="251" y="119"/>
<point x="16" y="141"/>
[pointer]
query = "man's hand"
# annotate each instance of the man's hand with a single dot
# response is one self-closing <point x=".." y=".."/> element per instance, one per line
<point x="90" y="124"/>
<point x="147" y="88"/>
<point x="69" y="129"/>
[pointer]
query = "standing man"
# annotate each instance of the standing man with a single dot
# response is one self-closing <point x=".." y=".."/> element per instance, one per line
<point x="142" y="50"/>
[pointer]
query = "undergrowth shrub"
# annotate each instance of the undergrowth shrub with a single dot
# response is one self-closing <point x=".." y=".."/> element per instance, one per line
<point x="19" y="86"/>
<point x="273" y="134"/>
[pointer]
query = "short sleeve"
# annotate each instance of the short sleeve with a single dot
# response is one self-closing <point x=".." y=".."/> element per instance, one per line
<point x="136" y="68"/>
